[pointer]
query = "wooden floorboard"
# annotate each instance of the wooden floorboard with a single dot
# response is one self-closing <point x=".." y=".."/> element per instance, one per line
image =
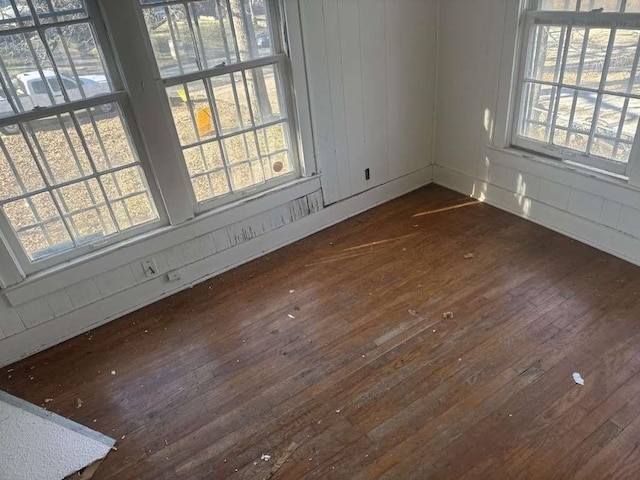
<point x="332" y="356"/>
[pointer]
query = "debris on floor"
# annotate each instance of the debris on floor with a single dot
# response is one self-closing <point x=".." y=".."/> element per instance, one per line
<point x="578" y="378"/>
<point x="469" y="256"/>
<point x="78" y="403"/>
<point x="113" y="372"/>
<point x="292" y="291"/>
<point x="265" y="458"/>
<point x="283" y="459"/>
<point x="291" y="316"/>
<point x="447" y="315"/>
<point x="413" y="313"/>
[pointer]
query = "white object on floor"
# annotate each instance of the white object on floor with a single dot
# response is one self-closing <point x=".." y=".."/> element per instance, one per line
<point x="39" y="445"/>
<point x="578" y="378"/>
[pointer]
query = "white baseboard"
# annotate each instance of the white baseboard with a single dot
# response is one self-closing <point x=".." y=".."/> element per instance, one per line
<point x="84" y="319"/>
<point x="595" y="234"/>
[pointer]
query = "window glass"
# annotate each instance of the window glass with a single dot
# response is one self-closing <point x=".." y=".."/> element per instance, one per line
<point x="233" y="126"/>
<point x="203" y="34"/>
<point x="69" y="178"/>
<point x="579" y="90"/>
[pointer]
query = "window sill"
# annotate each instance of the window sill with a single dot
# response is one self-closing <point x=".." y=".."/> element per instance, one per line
<point x="566" y="166"/>
<point x="572" y="176"/>
<point x="145" y="245"/>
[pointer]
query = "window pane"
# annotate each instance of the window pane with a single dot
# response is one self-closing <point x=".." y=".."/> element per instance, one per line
<point x="557" y="4"/>
<point x="128" y="195"/>
<point x="51" y="11"/>
<point x="30" y="76"/>
<point x="15" y="14"/>
<point x="276" y="160"/>
<point x="616" y="128"/>
<point x="632" y="6"/>
<point x="84" y="206"/>
<point x="574" y="118"/>
<point x="545" y="53"/>
<point x="623" y="70"/>
<point x="265" y="93"/>
<point x="191" y="109"/>
<point x="19" y="173"/>
<point x="231" y="103"/>
<point x="207" y="171"/>
<point x="538" y="102"/>
<point x="607" y="5"/>
<point x="79" y="61"/>
<point x="583" y="5"/>
<point x="38" y="226"/>
<point x="59" y="148"/>
<point x="73" y="150"/>
<point x="251" y="24"/>
<point x="107" y="139"/>
<point x="586" y="56"/>
<point x="203" y="34"/>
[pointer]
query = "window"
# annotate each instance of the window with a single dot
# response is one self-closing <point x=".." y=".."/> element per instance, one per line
<point x="71" y="175"/>
<point x="223" y="69"/>
<point x="118" y="117"/>
<point x="579" y="86"/>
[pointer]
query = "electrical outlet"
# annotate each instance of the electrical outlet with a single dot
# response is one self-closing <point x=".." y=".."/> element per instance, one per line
<point x="367" y="174"/>
<point x="174" y="275"/>
<point x="150" y="268"/>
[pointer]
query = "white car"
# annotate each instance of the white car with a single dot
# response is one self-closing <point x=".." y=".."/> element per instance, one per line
<point x="33" y="92"/>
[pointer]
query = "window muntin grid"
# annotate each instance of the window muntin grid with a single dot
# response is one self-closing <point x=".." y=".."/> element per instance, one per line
<point x="579" y="88"/>
<point x="70" y="177"/>
<point x="626" y="6"/>
<point x="226" y="89"/>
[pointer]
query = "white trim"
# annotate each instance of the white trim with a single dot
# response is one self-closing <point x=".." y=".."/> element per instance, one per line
<point x="300" y="85"/>
<point x="222" y="70"/>
<point x="124" y="253"/>
<point x="586" y="231"/>
<point x="62" y="328"/>
<point x="572" y="176"/>
<point x="510" y="46"/>
<point x="53" y="110"/>
<point x="10" y="271"/>
<point x="150" y="106"/>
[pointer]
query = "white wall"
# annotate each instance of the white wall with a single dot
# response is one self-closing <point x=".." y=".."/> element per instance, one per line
<point x="371" y="107"/>
<point x="598" y="211"/>
<point x="371" y="67"/>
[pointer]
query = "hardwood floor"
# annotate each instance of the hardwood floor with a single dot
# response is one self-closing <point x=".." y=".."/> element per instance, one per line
<point x="333" y="357"/>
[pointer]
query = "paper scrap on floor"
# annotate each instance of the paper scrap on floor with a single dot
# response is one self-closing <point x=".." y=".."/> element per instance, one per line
<point x="36" y="444"/>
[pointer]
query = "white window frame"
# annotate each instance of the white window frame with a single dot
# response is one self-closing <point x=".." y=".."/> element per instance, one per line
<point x="121" y="29"/>
<point x="280" y="59"/>
<point x="120" y="97"/>
<point x="519" y="21"/>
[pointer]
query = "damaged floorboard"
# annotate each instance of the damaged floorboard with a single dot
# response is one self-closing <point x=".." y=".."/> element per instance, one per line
<point x="331" y="358"/>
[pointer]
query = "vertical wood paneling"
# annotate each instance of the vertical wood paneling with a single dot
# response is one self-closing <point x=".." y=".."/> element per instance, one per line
<point x="422" y="16"/>
<point x="397" y="91"/>
<point x="315" y="46"/>
<point x="337" y="97"/>
<point x="349" y="24"/>
<point x="411" y="38"/>
<point x="373" y="38"/>
<point x="375" y="73"/>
